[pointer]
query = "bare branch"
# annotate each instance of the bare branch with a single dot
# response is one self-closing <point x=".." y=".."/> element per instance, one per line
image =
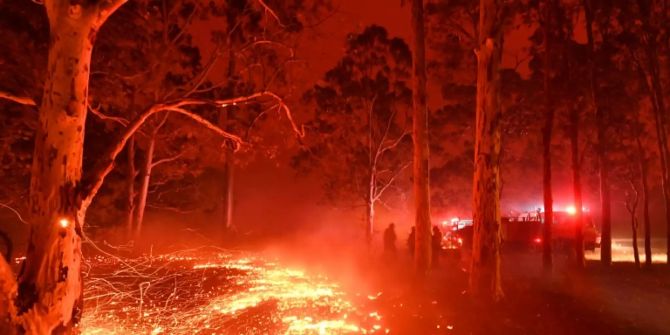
<point x="270" y="42"/>
<point x="19" y="100"/>
<point x="102" y="116"/>
<point x="394" y="144"/>
<point x="92" y="184"/>
<point x="171" y="209"/>
<point x="271" y="11"/>
<point x="390" y="182"/>
<point x="166" y="160"/>
<point x="16" y="212"/>
<point x="200" y="78"/>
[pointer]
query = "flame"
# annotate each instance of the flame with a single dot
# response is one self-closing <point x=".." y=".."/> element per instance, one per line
<point x="220" y="293"/>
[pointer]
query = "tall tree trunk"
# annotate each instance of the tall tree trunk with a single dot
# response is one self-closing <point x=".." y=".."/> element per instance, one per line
<point x="577" y="188"/>
<point x="131" y="185"/>
<point x="485" y="267"/>
<point x="145" y="180"/>
<point x="603" y="164"/>
<point x="228" y="177"/>
<point x="547" y="131"/>
<point x="50" y="282"/>
<point x="656" y="92"/>
<point x="224" y="120"/>
<point x="643" y="165"/>
<point x="422" y="254"/>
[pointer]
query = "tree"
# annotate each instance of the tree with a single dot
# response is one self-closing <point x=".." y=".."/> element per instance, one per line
<point x="357" y="139"/>
<point x="485" y="267"/>
<point x="645" y="49"/>
<point x="48" y="297"/>
<point x="49" y="291"/>
<point x="421" y="160"/>
<point x="603" y="163"/>
<point x="182" y="68"/>
<point x="451" y="37"/>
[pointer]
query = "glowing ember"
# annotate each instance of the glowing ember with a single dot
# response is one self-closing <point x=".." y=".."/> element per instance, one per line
<point x="64" y="222"/>
<point x="215" y="293"/>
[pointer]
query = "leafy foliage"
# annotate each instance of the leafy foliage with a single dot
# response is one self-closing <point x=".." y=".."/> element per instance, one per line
<point x="357" y="138"/>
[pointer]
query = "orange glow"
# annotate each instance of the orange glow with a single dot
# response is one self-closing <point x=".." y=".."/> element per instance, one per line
<point x="63" y="222"/>
<point x="571" y="210"/>
<point x="188" y="299"/>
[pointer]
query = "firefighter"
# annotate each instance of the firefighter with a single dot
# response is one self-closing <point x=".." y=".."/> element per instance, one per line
<point x="389" y="241"/>
<point x="410" y="242"/>
<point x="436" y="244"/>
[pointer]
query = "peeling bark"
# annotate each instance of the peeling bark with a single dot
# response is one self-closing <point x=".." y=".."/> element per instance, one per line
<point x="422" y="254"/>
<point x="50" y="287"/>
<point x="485" y="267"/>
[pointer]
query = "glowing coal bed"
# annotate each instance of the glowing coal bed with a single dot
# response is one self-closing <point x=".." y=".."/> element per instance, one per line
<point x="217" y="292"/>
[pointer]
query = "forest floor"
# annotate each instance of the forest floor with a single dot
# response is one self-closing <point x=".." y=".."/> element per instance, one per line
<point x="620" y="299"/>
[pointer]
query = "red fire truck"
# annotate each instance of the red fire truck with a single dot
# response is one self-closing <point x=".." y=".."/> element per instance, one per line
<point x="524" y="231"/>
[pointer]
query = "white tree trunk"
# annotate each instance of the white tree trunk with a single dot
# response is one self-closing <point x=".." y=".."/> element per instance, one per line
<point x="145" y="180"/>
<point x="50" y="283"/>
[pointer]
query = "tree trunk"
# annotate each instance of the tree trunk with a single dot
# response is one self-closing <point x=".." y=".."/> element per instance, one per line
<point x="656" y="92"/>
<point x="603" y="164"/>
<point x="228" y="194"/>
<point x="50" y="283"/>
<point x="546" y="142"/>
<point x="631" y="206"/>
<point x="577" y="188"/>
<point x="145" y="180"/>
<point x="369" y="221"/>
<point x="485" y="267"/>
<point x="224" y="120"/>
<point x="644" y="167"/>
<point x="634" y="225"/>
<point x="422" y="254"/>
<point x="131" y="185"/>
<point x="228" y="180"/>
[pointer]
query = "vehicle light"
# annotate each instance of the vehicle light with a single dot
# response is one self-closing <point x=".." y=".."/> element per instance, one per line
<point x="537" y="240"/>
<point x="571" y="210"/>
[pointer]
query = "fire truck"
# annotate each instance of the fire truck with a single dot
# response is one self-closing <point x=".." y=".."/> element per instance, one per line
<point x="523" y="231"/>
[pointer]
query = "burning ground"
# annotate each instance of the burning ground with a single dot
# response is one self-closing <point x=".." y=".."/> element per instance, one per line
<point x="215" y="291"/>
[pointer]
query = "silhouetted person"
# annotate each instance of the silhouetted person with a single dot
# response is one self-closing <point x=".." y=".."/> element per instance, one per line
<point x="411" y="240"/>
<point x="436" y="244"/>
<point x="389" y="240"/>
